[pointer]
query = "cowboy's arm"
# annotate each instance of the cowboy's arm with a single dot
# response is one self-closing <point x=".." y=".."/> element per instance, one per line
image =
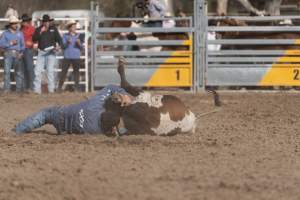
<point x="58" y="38"/>
<point x="65" y="41"/>
<point x="78" y="43"/>
<point x="111" y="89"/>
<point x="117" y="94"/>
<point x="5" y="42"/>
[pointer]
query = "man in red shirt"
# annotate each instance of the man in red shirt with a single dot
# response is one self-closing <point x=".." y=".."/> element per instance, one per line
<point x="28" y="31"/>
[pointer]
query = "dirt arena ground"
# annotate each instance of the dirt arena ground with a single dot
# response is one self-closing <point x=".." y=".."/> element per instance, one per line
<point x="250" y="149"/>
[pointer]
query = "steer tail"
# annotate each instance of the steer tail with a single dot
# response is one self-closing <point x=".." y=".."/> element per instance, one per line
<point x="216" y="98"/>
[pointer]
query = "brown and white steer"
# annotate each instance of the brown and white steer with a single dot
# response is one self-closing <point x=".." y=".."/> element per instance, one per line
<point x="153" y="114"/>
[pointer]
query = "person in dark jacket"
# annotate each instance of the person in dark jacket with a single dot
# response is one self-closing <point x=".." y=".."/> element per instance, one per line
<point x="47" y="37"/>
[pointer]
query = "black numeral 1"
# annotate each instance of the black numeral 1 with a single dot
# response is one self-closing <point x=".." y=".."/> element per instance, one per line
<point x="178" y="75"/>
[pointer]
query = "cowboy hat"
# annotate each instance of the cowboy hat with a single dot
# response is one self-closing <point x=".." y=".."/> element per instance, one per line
<point x="26" y="18"/>
<point x="13" y="20"/>
<point x="47" y="18"/>
<point x="70" y="23"/>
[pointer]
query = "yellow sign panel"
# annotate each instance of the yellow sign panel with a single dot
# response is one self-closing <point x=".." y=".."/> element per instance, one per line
<point x="176" y="71"/>
<point x="282" y="77"/>
<point x="285" y="72"/>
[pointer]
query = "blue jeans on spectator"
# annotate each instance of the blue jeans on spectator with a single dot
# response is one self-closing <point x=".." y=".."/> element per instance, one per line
<point x="28" y="69"/>
<point x="51" y="115"/>
<point x="11" y="60"/>
<point x="48" y="60"/>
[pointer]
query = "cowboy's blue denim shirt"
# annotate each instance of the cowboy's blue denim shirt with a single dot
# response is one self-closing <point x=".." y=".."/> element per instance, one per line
<point x="8" y="36"/>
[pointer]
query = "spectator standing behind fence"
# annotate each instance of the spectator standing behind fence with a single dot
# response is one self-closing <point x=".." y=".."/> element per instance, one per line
<point x="28" y="30"/>
<point x="155" y="9"/>
<point x="72" y="51"/>
<point x="11" y="11"/>
<point x="12" y="41"/>
<point x="47" y="38"/>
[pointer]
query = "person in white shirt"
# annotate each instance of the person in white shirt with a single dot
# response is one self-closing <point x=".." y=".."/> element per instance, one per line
<point x="11" y="11"/>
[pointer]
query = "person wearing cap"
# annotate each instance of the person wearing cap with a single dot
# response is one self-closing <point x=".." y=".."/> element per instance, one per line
<point x="72" y="51"/>
<point x="47" y="37"/>
<point x="12" y="41"/>
<point x="155" y="9"/>
<point x="28" y="30"/>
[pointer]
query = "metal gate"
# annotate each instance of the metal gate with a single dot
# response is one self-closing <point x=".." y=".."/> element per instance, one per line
<point x="156" y="57"/>
<point x="254" y="60"/>
<point x="254" y="55"/>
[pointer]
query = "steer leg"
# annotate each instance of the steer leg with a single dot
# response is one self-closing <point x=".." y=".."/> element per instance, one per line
<point x="134" y="91"/>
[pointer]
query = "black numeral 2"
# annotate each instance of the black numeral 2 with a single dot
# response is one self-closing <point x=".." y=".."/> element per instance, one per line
<point x="296" y="74"/>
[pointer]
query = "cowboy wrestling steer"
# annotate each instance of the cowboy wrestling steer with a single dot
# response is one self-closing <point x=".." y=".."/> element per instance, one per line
<point x="127" y="109"/>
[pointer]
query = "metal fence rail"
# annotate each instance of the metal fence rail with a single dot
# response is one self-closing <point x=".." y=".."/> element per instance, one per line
<point x="151" y="61"/>
<point x="241" y="61"/>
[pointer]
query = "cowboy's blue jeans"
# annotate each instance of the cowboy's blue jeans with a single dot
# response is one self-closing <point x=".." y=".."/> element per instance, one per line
<point x="49" y="115"/>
